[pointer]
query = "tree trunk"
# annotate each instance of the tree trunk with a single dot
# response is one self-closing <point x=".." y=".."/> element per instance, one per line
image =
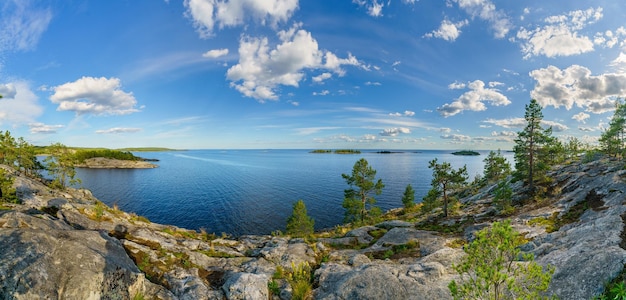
<point x="445" y="202"/>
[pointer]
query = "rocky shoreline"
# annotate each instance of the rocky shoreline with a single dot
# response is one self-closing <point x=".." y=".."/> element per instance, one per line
<point x="68" y="245"/>
<point x="109" y="163"/>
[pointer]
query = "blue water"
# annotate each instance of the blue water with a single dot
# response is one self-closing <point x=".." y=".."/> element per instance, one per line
<point x="252" y="191"/>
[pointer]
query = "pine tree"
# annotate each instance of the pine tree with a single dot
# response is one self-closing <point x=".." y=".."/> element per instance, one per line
<point x="299" y="224"/>
<point x="496" y="166"/>
<point x="408" y="199"/>
<point x="531" y="158"/>
<point x="491" y="271"/>
<point x="60" y="164"/>
<point x="446" y="179"/>
<point x="612" y="139"/>
<point x="358" y="202"/>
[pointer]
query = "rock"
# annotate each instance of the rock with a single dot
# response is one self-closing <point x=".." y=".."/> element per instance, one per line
<point x="394" y="223"/>
<point x="186" y="284"/>
<point x="108" y="163"/>
<point x="359" y="260"/>
<point x="43" y="258"/>
<point x="344" y="241"/>
<point x="362" y="234"/>
<point x="243" y="286"/>
<point x="281" y="252"/>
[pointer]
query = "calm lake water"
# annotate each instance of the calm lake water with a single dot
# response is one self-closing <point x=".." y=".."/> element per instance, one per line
<point x="252" y="191"/>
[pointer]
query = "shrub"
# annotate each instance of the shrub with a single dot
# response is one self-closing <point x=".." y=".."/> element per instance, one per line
<point x="490" y="270"/>
<point x="300" y="281"/>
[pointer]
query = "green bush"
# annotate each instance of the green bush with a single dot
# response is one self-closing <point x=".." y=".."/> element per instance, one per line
<point x="491" y="270"/>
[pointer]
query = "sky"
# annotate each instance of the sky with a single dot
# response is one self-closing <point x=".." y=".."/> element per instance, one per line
<point x="274" y="74"/>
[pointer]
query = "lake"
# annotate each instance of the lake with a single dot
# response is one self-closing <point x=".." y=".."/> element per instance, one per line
<point x="252" y="191"/>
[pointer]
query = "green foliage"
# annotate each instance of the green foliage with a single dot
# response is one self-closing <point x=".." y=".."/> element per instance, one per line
<point x="502" y="196"/>
<point x="347" y="151"/>
<point x="431" y="200"/>
<point x="272" y="286"/>
<point x="491" y="270"/>
<point x="533" y="148"/>
<point x="613" y="138"/>
<point x="358" y="202"/>
<point x="408" y="198"/>
<point x="82" y="155"/>
<point x="18" y="154"/>
<point x="300" y="280"/>
<point x="60" y="165"/>
<point x="466" y="153"/>
<point x="321" y="151"/>
<point x="299" y="224"/>
<point x="496" y="167"/>
<point x="446" y="179"/>
<point x="8" y="194"/>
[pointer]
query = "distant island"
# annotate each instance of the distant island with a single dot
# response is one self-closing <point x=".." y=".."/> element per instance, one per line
<point x="388" y="152"/>
<point x="466" y="152"/>
<point x="338" y="151"/>
<point x="111" y="159"/>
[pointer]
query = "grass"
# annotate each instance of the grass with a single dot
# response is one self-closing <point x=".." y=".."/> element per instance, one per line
<point x="410" y="249"/>
<point x="300" y="280"/>
<point x="214" y="253"/>
<point x="554" y="223"/>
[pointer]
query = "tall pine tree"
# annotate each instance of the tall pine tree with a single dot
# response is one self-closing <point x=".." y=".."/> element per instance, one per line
<point x="612" y="139"/>
<point x="531" y="145"/>
<point x="445" y="179"/>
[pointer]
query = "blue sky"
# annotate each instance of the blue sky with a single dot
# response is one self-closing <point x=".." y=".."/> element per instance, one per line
<point x="392" y="74"/>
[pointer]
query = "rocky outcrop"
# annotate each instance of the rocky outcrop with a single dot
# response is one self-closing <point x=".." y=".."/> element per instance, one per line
<point x="108" y="163"/>
<point x="68" y="245"/>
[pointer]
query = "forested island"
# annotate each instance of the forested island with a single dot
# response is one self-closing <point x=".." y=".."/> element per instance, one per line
<point x="466" y="153"/>
<point x="338" y="151"/>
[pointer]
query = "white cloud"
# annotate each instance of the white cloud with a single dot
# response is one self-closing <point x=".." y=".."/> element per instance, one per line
<point x="7" y="90"/>
<point x="322" y="93"/>
<point x="521" y="123"/>
<point x="261" y="70"/>
<point x="322" y="77"/>
<point x="493" y="84"/>
<point x="456" y="137"/>
<point x="116" y="130"/>
<point x="556" y="127"/>
<point x="41" y="128"/>
<point x="206" y="14"/>
<point x="486" y="10"/>
<point x="22" y="25"/>
<point x="581" y="117"/>
<point x="576" y="85"/>
<point x="375" y="83"/>
<point x="98" y="96"/>
<point x="407" y="113"/>
<point x="22" y="107"/>
<point x="394" y="131"/>
<point x="586" y="129"/>
<point x="215" y="53"/>
<point x="374" y="8"/>
<point x="395" y="63"/>
<point x="457" y="85"/>
<point x="560" y="36"/>
<point x="447" y="30"/>
<point x="619" y="63"/>
<point x="473" y="100"/>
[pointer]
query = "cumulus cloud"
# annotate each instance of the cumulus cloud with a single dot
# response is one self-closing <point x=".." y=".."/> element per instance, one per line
<point x="486" y="10"/>
<point x="98" y="96"/>
<point x="374" y="8"/>
<point x="20" y="106"/>
<point x="576" y="85"/>
<point x="8" y="90"/>
<point x="581" y="117"/>
<point x="207" y="14"/>
<point x="456" y="137"/>
<point x="447" y="30"/>
<point x="473" y="100"/>
<point x="41" y="128"/>
<point x="322" y="77"/>
<point x="261" y="70"/>
<point x="215" y="53"/>
<point x="619" y="63"/>
<point x="394" y="131"/>
<point x="560" y="35"/>
<point x="22" y="25"/>
<point x="116" y="130"/>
